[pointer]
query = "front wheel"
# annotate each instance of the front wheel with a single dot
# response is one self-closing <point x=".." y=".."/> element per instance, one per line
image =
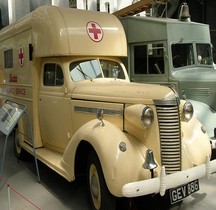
<point x="100" y="197"/>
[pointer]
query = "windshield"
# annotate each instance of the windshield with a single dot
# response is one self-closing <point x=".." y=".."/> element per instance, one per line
<point x="91" y="69"/>
<point x="204" y="55"/>
<point x="183" y="54"/>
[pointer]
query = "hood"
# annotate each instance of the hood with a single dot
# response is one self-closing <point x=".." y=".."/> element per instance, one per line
<point x="121" y="92"/>
<point x="195" y="74"/>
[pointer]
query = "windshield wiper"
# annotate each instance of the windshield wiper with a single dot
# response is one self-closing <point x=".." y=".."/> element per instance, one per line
<point x="83" y="73"/>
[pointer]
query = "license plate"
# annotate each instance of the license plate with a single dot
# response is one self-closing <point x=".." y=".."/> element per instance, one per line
<point x="181" y="192"/>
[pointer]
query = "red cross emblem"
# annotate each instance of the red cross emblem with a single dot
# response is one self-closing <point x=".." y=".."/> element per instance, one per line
<point x="21" y="55"/>
<point x="94" y="31"/>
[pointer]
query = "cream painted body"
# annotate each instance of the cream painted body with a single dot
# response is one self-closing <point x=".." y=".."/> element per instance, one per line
<point x="64" y="116"/>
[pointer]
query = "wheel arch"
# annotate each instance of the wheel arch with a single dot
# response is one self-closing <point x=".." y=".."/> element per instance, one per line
<point x="105" y="141"/>
<point x="81" y="157"/>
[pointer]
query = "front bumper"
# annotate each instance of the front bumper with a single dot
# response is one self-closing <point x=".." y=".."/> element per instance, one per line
<point x="164" y="182"/>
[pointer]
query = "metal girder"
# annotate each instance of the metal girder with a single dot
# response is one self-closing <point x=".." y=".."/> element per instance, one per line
<point x="137" y="7"/>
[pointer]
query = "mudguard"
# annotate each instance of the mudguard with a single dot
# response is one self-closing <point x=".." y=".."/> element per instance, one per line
<point x="119" y="167"/>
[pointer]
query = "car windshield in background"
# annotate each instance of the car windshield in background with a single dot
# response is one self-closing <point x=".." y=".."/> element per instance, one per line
<point x="185" y="55"/>
<point x="204" y="54"/>
<point x="91" y="69"/>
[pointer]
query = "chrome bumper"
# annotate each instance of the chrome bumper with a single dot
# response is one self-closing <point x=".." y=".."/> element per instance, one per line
<point x="164" y="182"/>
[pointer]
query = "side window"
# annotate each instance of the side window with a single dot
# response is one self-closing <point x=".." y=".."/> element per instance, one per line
<point x="8" y="59"/>
<point x="53" y="75"/>
<point x="149" y="59"/>
<point x="140" y="59"/>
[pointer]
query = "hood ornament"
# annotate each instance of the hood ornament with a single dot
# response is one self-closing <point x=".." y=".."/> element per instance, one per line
<point x="99" y="115"/>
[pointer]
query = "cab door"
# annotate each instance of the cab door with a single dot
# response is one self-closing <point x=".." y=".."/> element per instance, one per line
<point x="54" y="106"/>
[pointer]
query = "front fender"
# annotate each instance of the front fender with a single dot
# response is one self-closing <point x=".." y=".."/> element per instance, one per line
<point x="119" y="167"/>
<point x="206" y="115"/>
<point x="196" y="144"/>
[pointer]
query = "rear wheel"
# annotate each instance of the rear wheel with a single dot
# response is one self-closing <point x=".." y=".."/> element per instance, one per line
<point x="18" y="151"/>
<point x="100" y="197"/>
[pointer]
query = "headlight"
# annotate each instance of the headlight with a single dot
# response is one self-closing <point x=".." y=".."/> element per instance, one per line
<point x="147" y="117"/>
<point x="188" y="111"/>
<point x="138" y="116"/>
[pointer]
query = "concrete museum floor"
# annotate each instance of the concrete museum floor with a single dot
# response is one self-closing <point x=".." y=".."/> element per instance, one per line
<point x="20" y="190"/>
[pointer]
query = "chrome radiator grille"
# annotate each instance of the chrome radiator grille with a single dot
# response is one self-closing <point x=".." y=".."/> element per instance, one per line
<point x="170" y="136"/>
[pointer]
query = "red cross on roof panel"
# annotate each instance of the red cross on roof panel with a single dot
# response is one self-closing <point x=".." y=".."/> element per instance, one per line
<point x="94" y="31"/>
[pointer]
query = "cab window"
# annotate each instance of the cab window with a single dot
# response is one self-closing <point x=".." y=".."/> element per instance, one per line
<point x="149" y="59"/>
<point x="182" y="55"/>
<point x="53" y="75"/>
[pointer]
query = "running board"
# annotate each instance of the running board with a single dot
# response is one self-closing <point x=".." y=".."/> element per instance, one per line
<point x="50" y="158"/>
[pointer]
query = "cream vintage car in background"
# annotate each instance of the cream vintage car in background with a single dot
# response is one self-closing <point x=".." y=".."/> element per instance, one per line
<point x="130" y="139"/>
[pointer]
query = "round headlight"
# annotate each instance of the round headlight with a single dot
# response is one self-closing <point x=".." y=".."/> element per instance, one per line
<point x="188" y="111"/>
<point x="147" y="117"/>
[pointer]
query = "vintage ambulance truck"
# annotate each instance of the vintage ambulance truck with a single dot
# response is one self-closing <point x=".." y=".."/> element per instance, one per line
<point x="176" y="52"/>
<point x="130" y="139"/>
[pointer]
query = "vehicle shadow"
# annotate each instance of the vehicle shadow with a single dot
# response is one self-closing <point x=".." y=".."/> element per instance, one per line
<point x="150" y="202"/>
<point x="74" y="195"/>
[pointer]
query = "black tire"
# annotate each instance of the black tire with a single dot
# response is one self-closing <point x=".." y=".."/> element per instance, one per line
<point x="19" y="152"/>
<point x="99" y="195"/>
